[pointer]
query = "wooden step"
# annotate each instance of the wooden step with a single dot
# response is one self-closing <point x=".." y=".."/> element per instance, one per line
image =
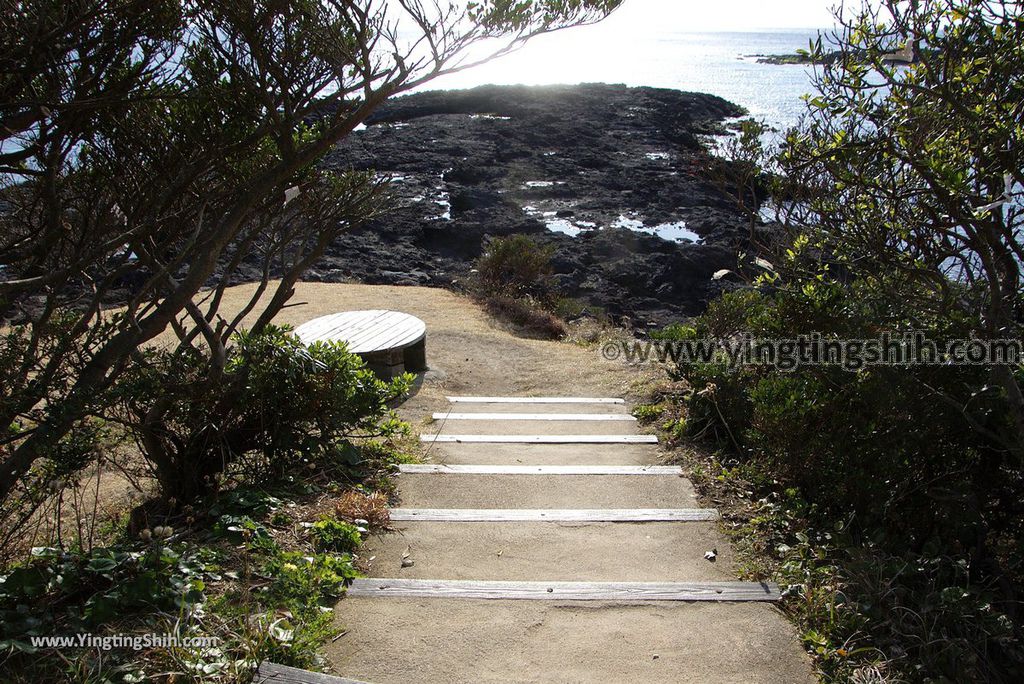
<point x="435" y="468"/>
<point x="482" y="453"/>
<point x="272" y="673"/>
<point x="531" y="491"/>
<point x="552" y="552"/>
<point x="535" y="400"/>
<point x="566" y="591"/>
<point x="555" y="514"/>
<point x="544" y="439"/>
<point x="622" y="417"/>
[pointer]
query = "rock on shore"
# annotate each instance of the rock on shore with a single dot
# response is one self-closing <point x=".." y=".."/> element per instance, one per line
<point x="588" y="160"/>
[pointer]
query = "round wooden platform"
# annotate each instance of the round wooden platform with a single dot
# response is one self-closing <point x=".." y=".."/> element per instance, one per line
<point x="390" y="341"/>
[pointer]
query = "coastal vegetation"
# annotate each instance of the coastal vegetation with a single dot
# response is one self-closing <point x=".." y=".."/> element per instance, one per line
<point x="149" y="150"/>
<point x="886" y="497"/>
<point x="513" y="280"/>
<point x="154" y="154"/>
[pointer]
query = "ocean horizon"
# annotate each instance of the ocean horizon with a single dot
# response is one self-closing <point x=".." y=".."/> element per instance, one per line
<point x="721" y="63"/>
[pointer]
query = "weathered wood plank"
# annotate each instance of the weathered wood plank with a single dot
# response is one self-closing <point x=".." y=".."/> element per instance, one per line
<point x="365" y="331"/>
<point x="384" y="330"/>
<point x="379" y="333"/>
<point x="401" y="335"/>
<point x="272" y="673"/>
<point x="423" y="468"/>
<point x="350" y="321"/>
<point x="554" y="514"/>
<point x="331" y="326"/>
<point x="535" y="400"/>
<point x="544" y="439"/>
<point x="566" y="591"/>
<point x="619" y="417"/>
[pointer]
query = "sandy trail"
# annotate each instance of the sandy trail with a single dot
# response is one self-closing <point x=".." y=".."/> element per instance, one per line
<point x="473" y="640"/>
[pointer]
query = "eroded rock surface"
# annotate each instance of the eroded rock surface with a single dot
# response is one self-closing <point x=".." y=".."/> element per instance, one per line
<point x="587" y="160"/>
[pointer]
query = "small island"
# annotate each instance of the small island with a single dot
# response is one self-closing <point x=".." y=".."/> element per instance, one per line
<point x="802" y="57"/>
<point x="905" y="55"/>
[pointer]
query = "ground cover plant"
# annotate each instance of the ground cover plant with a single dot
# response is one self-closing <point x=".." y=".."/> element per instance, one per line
<point x="147" y="151"/>
<point x="885" y="497"/>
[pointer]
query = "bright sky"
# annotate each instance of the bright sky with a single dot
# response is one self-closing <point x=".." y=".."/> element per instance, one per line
<point x="725" y="15"/>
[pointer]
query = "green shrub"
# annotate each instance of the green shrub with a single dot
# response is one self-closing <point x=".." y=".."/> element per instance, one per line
<point x="275" y="406"/>
<point x="676" y="332"/>
<point x="261" y="603"/>
<point x="330" y="534"/>
<point x="856" y="441"/>
<point x="241" y="529"/>
<point x="648" y="413"/>
<point x="515" y="266"/>
<point x="513" y="280"/>
<point x="104" y="584"/>
<point x="900" y="459"/>
<point x="299" y="577"/>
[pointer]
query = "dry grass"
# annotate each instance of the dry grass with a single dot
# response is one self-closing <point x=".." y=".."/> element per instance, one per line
<point x="525" y="318"/>
<point x="373" y="508"/>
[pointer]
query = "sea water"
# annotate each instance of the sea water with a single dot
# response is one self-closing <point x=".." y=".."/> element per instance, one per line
<point x="719" y="63"/>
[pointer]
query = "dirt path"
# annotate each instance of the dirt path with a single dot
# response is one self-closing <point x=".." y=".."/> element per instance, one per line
<point x="415" y="639"/>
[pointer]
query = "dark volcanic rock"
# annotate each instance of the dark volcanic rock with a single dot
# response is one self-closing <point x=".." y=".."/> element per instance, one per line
<point x="493" y="161"/>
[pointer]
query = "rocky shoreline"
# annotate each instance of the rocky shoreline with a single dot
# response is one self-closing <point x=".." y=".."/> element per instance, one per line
<point x="606" y="165"/>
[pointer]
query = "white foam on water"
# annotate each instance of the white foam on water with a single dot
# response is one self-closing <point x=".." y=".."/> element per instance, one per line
<point x="563" y="226"/>
<point x="673" y="231"/>
<point x="445" y="204"/>
<point x="624" y="222"/>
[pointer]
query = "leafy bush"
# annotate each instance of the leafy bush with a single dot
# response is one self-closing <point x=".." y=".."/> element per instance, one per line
<point x="275" y="406"/>
<point x="183" y="588"/>
<point x="648" y="413"/>
<point x="515" y="266"/>
<point x="859" y="441"/>
<point x="899" y="459"/>
<point x="329" y="534"/>
<point x="298" y="576"/>
<point x="514" y="282"/>
<point x="112" y="583"/>
<point x="239" y="529"/>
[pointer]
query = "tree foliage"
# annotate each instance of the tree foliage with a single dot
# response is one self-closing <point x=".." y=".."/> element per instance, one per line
<point x="149" y="148"/>
<point x="900" y="207"/>
<point x="909" y="176"/>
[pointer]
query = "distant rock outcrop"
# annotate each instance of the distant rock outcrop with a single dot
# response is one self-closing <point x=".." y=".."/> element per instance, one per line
<point x="587" y="160"/>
